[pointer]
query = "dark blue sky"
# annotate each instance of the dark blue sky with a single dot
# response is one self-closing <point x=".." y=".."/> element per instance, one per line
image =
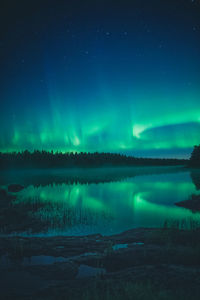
<point x="117" y="76"/>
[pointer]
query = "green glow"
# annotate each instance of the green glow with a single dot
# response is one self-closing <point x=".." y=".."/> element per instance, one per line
<point x="142" y="208"/>
<point x="109" y="130"/>
<point x="146" y="200"/>
<point x="87" y="90"/>
<point x="138" y="129"/>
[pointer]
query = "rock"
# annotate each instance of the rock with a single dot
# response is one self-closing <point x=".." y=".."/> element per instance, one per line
<point x="56" y="271"/>
<point x="193" y="203"/>
<point x="15" y="188"/>
<point x="5" y="200"/>
<point x="3" y="194"/>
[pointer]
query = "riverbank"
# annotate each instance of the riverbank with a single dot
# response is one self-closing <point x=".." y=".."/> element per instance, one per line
<point x="148" y="263"/>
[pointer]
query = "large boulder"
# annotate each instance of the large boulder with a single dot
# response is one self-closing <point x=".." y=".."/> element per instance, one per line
<point x="3" y="194"/>
<point x="14" y="188"/>
<point x="56" y="271"/>
<point x="193" y="203"/>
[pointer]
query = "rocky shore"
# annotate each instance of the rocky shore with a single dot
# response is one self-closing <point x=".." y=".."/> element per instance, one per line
<point x="89" y="267"/>
<point x="193" y="203"/>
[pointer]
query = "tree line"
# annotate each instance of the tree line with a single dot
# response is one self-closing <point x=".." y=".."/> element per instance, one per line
<point x="195" y="157"/>
<point x="50" y="159"/>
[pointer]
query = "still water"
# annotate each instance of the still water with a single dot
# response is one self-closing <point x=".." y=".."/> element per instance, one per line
<point x="106" y="201"/>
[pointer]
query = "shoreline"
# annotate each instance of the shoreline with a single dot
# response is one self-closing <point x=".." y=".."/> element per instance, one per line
<point x="137" y="255"/>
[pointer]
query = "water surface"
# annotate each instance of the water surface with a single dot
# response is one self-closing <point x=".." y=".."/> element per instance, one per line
<point x="105" y="201"/>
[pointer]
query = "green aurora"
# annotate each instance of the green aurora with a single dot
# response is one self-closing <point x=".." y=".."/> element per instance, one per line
<point x="104" y="77"/>
<point x="103" y="133"/>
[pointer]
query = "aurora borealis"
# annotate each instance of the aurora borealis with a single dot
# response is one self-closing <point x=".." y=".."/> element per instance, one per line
<point x="112" y="76"/>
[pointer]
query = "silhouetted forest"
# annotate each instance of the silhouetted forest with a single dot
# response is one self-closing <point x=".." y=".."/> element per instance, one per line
<point x="45" y="159"/>
<point x="195" y="157"/>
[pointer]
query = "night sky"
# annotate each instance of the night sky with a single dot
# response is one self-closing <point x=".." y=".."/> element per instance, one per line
<point x="112" y="76"/>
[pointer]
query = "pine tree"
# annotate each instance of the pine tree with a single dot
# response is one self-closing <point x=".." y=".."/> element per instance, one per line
<point x="195" y="157"/>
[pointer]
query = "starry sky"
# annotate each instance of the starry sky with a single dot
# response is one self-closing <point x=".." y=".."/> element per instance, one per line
<point x="100" y="75"/>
